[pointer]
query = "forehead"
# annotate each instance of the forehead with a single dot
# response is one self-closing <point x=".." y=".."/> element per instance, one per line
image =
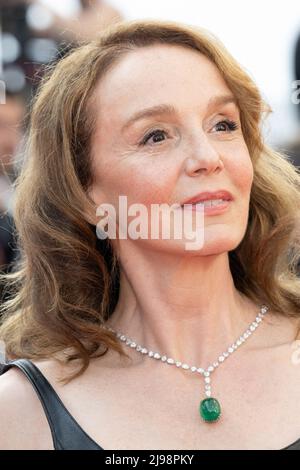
<point x="154" y="74"/>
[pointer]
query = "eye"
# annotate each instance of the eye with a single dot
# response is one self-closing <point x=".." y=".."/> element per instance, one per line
<point x="228" y="125"/>
<point x="156" y="133"/>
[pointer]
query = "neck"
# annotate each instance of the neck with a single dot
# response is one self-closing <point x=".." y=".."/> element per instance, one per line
<point x="186" y="308"/>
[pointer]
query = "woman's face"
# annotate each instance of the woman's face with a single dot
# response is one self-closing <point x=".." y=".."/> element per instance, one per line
<point x="171" y="155"/>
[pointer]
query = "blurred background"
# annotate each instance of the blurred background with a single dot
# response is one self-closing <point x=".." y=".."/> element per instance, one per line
<point x="263" y="36"/>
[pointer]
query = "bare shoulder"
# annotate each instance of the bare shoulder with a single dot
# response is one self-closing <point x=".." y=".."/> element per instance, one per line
<point x="26" y="426"/>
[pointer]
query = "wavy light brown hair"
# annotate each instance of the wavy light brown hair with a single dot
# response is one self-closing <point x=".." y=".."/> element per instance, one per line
<point x="66" y="282"/>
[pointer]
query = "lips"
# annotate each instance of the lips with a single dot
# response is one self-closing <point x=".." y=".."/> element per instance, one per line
<point x="207" y="195"/>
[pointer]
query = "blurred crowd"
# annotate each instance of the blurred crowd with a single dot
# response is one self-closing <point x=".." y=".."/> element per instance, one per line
<point x="34" y="35"/>
<point x="293" y="147"/>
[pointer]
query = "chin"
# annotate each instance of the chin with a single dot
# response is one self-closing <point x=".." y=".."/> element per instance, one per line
<point x="217" y="240"/>
<point x="216" y="244"/>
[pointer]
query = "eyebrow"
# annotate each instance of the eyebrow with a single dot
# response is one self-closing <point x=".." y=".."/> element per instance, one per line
<point x="169" y="109"/>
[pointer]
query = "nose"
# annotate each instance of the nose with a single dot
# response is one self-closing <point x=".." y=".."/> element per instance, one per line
<point x="202" y="157"/>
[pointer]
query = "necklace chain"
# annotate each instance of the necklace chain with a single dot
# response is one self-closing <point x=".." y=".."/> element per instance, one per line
<point x="205" y="372"/>
<point x="210" y="408"/>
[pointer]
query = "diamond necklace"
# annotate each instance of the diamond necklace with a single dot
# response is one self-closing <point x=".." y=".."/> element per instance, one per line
<point x="209" y="408"/>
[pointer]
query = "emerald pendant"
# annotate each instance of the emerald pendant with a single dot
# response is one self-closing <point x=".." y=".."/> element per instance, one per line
<point x="210" y="409"/>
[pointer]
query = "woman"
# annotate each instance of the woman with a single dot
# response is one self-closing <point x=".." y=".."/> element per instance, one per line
<point x="183" y="367"/>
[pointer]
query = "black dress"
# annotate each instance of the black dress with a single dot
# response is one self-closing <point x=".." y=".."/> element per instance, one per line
<point x="67" y="434"/>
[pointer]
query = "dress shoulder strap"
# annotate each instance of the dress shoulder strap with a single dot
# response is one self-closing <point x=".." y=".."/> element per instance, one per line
<point x="67" y="434"/>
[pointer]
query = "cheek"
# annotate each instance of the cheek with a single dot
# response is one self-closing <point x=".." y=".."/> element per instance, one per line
<point x="147" y="183"/>
<point x="241" y="171"/>
<point x="144" y="184"/>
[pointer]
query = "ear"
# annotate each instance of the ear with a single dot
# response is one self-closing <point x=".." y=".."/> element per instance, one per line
<point x="90" y="209"/>
<point x="94" y="198"/>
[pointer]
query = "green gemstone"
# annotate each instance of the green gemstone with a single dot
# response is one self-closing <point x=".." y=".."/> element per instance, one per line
<point x="210" y="409"/>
